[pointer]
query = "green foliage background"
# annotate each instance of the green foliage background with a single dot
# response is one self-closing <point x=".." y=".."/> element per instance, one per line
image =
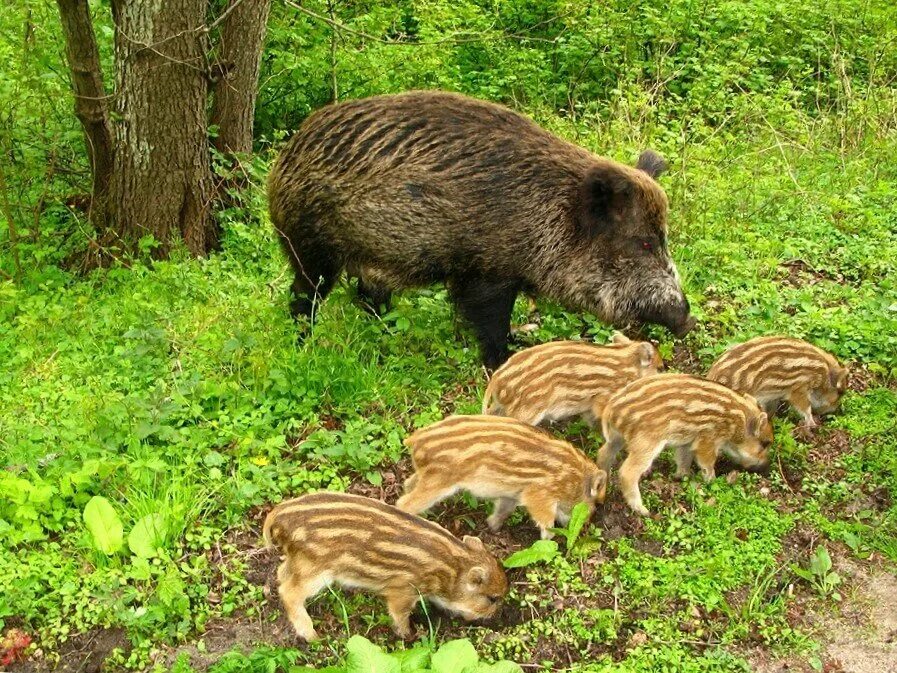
<point x="177" y="389"/>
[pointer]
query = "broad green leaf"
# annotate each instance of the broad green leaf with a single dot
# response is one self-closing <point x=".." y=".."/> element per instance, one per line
<point x="802" y="573"/>
<point x="147" y="535"/>
<point x="539" y="552"/>
<point x="104" y="525"/>
<point x="500" y="667"/>
<point x="578" y="517"/>
<point x="821" y="562"/>
<point x="413" y="660"/>
<point x="455" y="656"/>
<point x="365" y="657"/>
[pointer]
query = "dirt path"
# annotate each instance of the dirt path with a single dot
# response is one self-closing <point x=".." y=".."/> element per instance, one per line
<point x="857" y="636"/>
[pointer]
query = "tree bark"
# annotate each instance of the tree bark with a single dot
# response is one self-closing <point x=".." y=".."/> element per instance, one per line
<point x="90" y="96"/>
<point x="151" y="168"/>
<point x="240" y="54"/>
<point x="161" y="182"/>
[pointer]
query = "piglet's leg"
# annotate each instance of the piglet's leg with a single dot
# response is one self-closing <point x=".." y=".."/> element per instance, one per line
<point x="294" y="591"/>
<point x="640" y="457"/>
<point x="542" y="509"/>
<point x="500" y="513"/>
<point x="705" y="451"/>
<point x="400" y="603"/>
<point x="424" y="493"/>
<point x="800" y="400"/>
<point x="592" y="417"/>
<point x="607" y="454"/>
<point x="684" y="457"/>
<point x="408" y="486"/>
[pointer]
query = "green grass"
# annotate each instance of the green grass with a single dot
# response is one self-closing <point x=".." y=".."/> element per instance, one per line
<point x="179" y="388"/>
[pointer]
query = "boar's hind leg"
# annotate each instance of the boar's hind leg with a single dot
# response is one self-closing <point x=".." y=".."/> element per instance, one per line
<point x="487" y="305"/>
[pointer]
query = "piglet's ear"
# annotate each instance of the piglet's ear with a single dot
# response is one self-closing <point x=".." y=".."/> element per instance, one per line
<point x="604" y="192"/>
<point x="477" y="576"/>
<point x="646" y="354"/>
<point x="651" y="163"/>
<point x="474" y="543"/>
<point x="756" y="423"/>
<point x="620" y="338"/>
<point x="596" y="483"/>
<point x="838" y="378"/>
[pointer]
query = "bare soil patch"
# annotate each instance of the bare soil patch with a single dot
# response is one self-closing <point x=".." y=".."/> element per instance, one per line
<point x="858" y="635"/>
<point x="82" y="653"/>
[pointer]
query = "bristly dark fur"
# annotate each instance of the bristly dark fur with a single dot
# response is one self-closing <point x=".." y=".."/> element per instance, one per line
<point x="424" y="187"/>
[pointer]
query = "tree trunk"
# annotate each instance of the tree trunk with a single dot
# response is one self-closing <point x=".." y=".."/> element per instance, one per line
<point x="240" y="55"/>
<point x="151" y="168"/>
<point x="161" y="182"/>
<point x="90" y="97"/>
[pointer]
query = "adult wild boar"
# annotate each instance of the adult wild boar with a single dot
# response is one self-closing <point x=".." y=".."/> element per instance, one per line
<point x="409" y="189"/>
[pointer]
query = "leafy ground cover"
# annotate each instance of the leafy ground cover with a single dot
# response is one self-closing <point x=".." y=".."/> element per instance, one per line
<point x="177" y="393"/>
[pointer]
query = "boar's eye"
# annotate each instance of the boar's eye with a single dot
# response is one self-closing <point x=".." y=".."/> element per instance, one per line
<point x="647" y="246"/>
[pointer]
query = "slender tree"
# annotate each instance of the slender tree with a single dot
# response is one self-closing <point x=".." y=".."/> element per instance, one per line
<point x="147" y="139"/>
<point x="91" y="103"/>
<point x="240" y="56"/>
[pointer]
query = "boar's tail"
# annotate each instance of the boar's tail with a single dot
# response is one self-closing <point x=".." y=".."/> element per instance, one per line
<point x="271" y="532"/>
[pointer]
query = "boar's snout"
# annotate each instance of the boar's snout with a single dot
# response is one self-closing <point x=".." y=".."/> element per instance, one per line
<point x="681" y="320"/>
<point x="685" y="327"/>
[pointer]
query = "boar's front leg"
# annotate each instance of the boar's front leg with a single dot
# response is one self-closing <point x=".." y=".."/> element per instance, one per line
<point x="374" y="297"/>
<point x="487" y="305"/>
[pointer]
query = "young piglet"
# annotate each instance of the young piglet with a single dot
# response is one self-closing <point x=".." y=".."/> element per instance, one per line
<point x="562" y="379"/>
<point x="700" y="418"/>
<point x="504" y="460"/>
<point x="364" y="543"/>
<point x="775" y="369"/>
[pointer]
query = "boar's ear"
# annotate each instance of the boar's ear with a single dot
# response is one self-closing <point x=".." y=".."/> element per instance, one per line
<point x="477" y="576"/>
<point x="651" y="163"/>
<point x="603" y="191"/>
<point x="619" y="338"/>
<point x="474" y="543"/>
